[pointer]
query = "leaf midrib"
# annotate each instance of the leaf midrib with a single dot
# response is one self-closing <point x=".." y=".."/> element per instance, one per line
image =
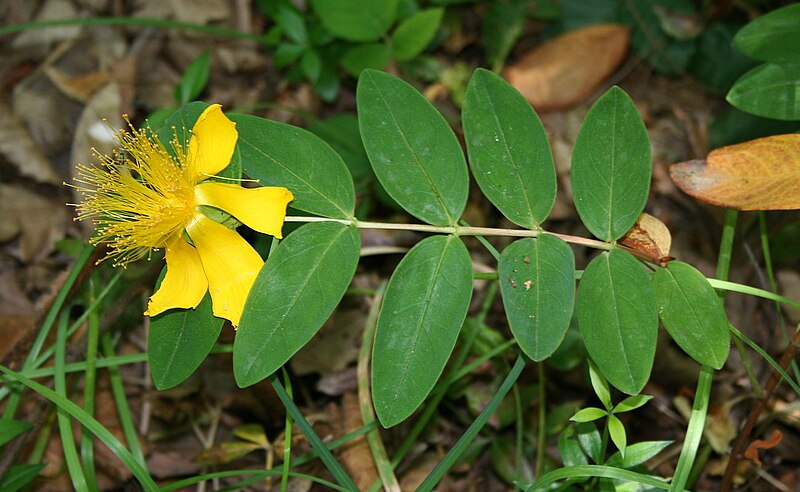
<point x="418" y="329"/>
<point x="416" y="160"/>
<point x="270" y="334"/>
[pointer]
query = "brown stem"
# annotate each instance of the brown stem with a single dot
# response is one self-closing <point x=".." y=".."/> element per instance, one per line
<point x="755" y="412"/>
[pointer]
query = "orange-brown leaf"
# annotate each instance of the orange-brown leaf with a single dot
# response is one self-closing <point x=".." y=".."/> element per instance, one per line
<point x="752" y="450"/>
<point x="564" y="71"/>
<point x="762" y="174"/>
<point x="650" y="236"/>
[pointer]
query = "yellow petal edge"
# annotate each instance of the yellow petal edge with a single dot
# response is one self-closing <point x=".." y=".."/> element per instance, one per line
<point x="230" y="264"/>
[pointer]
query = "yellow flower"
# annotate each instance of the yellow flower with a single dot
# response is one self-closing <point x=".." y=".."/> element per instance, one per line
<point x="149" y="199"/>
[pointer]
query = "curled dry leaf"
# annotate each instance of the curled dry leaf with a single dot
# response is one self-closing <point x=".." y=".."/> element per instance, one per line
<point x="751" y="452"/>
<point x="564" y="71"/>
<point x="650" y="236"/>
<point x="762" y="174"/>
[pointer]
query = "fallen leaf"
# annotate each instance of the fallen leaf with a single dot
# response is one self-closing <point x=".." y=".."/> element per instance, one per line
<point x="356" y="455"/>
<point x="78" y="87"/>
<point x="17" y="315"/>
<point x="19" y="149"/>
<point x="650" y="236"/>
<point x="762" y="174"/>
<point x="751" y="452"/>
<point x="566" y="70"/>
<point x="334" y="347"/>
<point x="37" y="221"/>
<point x="43" y="38"/>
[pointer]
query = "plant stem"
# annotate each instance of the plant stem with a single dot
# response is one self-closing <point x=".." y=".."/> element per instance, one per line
<point x="477" y="231"/>
<point x="541" y="438"/>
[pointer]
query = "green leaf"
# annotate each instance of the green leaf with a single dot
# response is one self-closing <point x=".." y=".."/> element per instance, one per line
<point x="20" y="475"/>
<point x="424" y="307"/>
<point x="311" y="65"/>
<point x="537" y="282"/>
<point x="413" y="150"/>
<point x="500" y="29"/>
<point x="9" y="429"/>
<point x="716" y="64"/>
<point x="278" y="154"/>
<point x="356" y="20"/>
<point x="617" y="432"/>
<point x="650" y="37"/>
<point x="590" y="440"/>
<point x="570" y="449"/>
<point x="588" y="414"/>
<point x="774" y="37"/>
<point x="638" y="453"/>
<point x="341" y="133"/>
<point x="611" y="166"/>
<point x="286" y="53"/>
<point x="364" y="56"/>
<point x="296" y="291"/>
<point x="292" y="23"/>
<point x="415" y="33"/>
<point x="180" y="340"/>
<point x="692" y="313"/>
<point x="600" y="385"/>
<point x="509" y="152"/>
<point x="618" y="319"/>
<point x="194" y="79"/>
<point x="769" y="90"/>
<point x="631" y="403"/>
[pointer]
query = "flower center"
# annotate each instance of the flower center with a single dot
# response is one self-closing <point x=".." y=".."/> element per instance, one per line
<point x="138" y="198"/>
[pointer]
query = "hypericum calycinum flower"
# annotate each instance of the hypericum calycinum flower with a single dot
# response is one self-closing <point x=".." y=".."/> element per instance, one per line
<point x="144" y="199"/>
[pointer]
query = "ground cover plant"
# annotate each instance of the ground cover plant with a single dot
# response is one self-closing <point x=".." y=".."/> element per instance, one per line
<point x="365" y="261"/>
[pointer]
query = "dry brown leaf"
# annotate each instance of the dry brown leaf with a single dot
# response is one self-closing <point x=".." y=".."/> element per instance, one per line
<point x="79" y="87"/>
<point x="650" y="236"/>
<point x="17" y="314"/>
<point x="42" y="38"/>
<point x="335" y="347"/>
<point x="564" y="71"/>
<point x="37" y="221"/>
<point x="762" y="174"/>
<point x="18" y="148"/>
<point x="356" y="455"/>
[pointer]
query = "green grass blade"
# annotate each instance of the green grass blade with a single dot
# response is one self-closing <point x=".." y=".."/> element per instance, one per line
<point x="132" y="21"/>
<point x="751" y="291"/>
<point x="466" y="439"/>
<point x="92" y="425"/>
<point x="287" y="434"/>
<point x="586" y="471"/>
<point x="76" y="472"/>
<point x="47" y="325"/>
<point x="772" y="362"/>
<point x="316" y="443"/>
<point x="89" y="388"/>
<point x="235" y="473"/>
<point x="379" y="456"/>
<point x="694" y="432"/>
<point x="121" y="403"/>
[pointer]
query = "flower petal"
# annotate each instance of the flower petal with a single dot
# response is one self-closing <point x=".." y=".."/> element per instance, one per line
<point x="185" y="283"/>
<point x="262" y="209"/>
<point x="211" y="145"/>
<point x="229" y="262"/>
